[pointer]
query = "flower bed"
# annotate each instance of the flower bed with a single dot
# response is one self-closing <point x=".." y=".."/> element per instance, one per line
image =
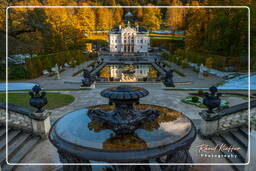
<point x="198" y="101"/>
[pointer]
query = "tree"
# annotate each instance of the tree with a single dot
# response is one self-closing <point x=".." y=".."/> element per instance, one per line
<point x="103" y="19"/>
<point x="117" y="15"/>
<point x="86" y="19"/>
<point x="175" y="17"/>
<point x="139" y="14"/>
<point x="151" y="18"/>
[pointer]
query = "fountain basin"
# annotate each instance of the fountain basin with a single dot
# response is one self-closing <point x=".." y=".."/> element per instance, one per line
<point x="170" y="132"/>
<point x="124" y="131"/>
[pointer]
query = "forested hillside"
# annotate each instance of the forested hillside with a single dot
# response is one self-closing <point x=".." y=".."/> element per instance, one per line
<point x="41" y="31"/>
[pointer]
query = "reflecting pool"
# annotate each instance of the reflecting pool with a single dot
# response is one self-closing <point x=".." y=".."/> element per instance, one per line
<point x="128" y="73"/>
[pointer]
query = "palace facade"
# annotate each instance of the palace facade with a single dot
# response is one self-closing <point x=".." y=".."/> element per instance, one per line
<point x="129" y="39"/>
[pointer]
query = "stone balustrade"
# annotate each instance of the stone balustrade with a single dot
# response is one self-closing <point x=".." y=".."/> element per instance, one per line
<point x="226" y="119"/>
<point x="25" y="119"/>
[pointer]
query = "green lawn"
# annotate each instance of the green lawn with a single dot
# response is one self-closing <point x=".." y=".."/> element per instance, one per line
<point x="55" y="100"/>
<point x="154" y="36"/>
<point x="165" y="38"/>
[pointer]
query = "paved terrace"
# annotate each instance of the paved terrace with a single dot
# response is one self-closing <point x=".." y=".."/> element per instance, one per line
<point x="190" y="80"/>
<point x="157" y="96"/>
<point x="85" y="98"/>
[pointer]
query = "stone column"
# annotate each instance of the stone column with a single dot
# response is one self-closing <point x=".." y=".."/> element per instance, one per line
<point x="41" y="123"/>
<point x="209" y="123"/>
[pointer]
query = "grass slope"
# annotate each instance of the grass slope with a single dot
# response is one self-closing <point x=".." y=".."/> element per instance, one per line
<point x="55" y="100"/>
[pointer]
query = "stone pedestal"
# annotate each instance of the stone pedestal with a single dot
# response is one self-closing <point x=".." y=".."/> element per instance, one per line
<point x="92" y="86"/>
<point x="209" y="123"/>
<point x="41" y="123"/>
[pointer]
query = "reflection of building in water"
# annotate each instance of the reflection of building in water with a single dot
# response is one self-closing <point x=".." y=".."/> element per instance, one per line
<point x="129" y="39"/>
<point x="141" y="71"/>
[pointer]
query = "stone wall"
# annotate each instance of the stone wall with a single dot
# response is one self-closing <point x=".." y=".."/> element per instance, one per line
<point x="25" y="119"/>
<point x="226" y="119"/>
<point x="17" y="117"/>
<point x="236" y="119"/>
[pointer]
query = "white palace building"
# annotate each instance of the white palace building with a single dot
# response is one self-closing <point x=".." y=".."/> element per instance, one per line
<point x="129" y="39"/>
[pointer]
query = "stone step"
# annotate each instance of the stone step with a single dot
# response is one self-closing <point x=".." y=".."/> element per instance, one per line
<point x="231" y="141"/>
<point x="244" y="131"/>
<point x="11" y="135"/>
<point x="218" y="140"/>
<point x="142" y="84"/>
<point x="240" y="138"/>
<point x="2" y="131"/>
<point x="14" y="146"/>
<point x="21" y="153"/>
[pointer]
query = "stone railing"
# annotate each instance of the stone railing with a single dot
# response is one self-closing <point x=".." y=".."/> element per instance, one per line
<point x="17" y="116"/>
<point x="25" y="119"/>
<point x="226" y="119"/>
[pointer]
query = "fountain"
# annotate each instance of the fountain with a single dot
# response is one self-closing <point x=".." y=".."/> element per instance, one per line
<point x="88" y="78"/>
<point x="168" y="80"/>
<point x="123" y="131"/>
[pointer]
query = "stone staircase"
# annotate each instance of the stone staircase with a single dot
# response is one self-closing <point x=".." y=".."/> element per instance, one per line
<point x="20" y="143"/>
<point x="236" y="138"/>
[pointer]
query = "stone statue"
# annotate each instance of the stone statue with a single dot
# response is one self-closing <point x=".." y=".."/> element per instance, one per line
<point x="168" y="80"/>
<point x="201" y="72"/>
<point x="88" y="79"/>
<point x="57" y="71"/>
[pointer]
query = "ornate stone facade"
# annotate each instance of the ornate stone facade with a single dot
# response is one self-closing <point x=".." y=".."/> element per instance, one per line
<point x="129" y="39"/>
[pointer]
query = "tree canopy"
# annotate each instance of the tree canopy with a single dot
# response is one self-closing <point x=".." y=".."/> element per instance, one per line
<point x="49" y="30"/>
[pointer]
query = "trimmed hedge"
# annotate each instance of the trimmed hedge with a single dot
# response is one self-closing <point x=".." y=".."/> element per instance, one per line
<point x="168" y="44"/>
<point x="209" y="60"/>
<point x="36" y="65"/>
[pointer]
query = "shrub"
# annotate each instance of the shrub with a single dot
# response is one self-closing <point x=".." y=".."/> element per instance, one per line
<point x="17" y="72"/>
<point x="179" y="73"/>
<point x="36" y="65"/>
<point x="209" y="62"/>
<point x="2" y="71"/>
<point x="200" y="92"/>
<point x="195" y="99"/>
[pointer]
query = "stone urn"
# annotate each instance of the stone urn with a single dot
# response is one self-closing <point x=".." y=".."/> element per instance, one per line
<point x="212" y="99"/>
<point x="37" y="99"/>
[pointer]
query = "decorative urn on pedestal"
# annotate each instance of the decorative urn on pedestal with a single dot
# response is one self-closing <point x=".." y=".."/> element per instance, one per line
<point x="212" y="99"/>
<point x="37" y="99"/>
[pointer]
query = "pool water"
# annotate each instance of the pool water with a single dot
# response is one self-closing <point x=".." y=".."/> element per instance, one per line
<point x="239" y="83"/>
<point x="17" y="86"/>
<point x="128" y="73"/>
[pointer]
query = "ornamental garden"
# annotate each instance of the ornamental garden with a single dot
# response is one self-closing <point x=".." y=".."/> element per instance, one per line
<point x="146" y="88"/>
